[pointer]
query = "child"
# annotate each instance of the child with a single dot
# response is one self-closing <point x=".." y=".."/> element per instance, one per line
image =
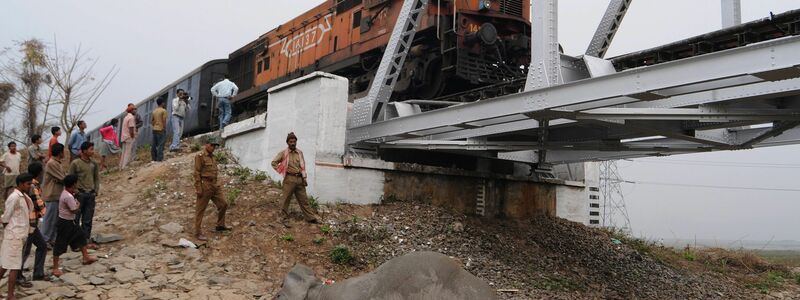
<point x="68" y="231"/>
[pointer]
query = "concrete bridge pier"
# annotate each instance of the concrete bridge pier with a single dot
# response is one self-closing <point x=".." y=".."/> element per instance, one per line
<point x="315" y="108"/>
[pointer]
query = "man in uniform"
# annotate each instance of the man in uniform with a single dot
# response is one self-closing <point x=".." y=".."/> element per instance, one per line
<point x="205" y="182"/>
<point x="291" y="165"/>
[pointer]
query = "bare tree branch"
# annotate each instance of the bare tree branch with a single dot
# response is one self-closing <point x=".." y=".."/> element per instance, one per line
<point x="72" y="81"/>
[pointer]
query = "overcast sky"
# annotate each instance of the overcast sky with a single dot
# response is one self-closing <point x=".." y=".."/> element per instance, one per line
<point x="154" y="42"/>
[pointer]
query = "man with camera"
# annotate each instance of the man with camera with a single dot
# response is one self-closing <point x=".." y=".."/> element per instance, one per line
<point x="180" y="107"/>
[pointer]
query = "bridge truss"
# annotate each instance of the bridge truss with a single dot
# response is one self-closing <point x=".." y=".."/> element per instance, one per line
<point x="730" y="95"/>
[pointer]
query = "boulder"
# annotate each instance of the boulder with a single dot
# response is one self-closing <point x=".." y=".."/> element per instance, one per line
<point x="171" y="228"/>
<point x="105" y="238"/>
<point x="418" y="275"/>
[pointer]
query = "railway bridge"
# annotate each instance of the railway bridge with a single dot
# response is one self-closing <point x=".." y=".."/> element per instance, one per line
<point x="737" y="88"/>
<point x="728" y="90"/>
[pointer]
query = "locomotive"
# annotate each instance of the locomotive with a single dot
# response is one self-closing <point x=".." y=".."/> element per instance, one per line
<point x="459" y="45"/>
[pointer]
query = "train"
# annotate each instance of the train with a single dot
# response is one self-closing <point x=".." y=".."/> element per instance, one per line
<point x="202" y="114"/>
<point x="459" y="45"/>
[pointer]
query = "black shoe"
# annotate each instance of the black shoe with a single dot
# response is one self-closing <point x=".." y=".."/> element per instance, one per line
<point x="41" y="278"/>
<point x="222" y="228"/>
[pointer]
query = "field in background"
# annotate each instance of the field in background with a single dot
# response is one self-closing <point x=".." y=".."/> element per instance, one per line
<point x="789" y="258"/>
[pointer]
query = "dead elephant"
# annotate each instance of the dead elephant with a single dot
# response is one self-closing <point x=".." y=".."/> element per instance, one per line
<point x="418" y="275"/>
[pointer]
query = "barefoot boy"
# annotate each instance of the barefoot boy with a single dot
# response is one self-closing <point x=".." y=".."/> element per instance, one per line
<point x="68" y="231"/>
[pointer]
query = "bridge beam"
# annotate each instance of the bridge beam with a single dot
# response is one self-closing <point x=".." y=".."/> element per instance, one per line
<point x="768" y="61"/>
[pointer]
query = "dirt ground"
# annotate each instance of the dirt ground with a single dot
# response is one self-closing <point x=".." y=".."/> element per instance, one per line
<point x="151" y="206"/>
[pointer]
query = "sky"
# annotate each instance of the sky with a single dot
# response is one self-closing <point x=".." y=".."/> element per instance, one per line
<point x="154" y="42"/>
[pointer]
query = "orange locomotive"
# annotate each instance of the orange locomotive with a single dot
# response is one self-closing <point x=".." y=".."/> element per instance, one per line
<point x="460" y="44"/>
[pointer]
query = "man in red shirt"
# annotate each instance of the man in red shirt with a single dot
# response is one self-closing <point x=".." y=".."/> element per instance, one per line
<point x="56" y="131"/>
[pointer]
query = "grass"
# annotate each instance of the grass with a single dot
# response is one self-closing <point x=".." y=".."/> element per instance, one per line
<point x="287" y="237"/>
<point x="319" y="240"/>
<point x="789" y="258"/>
<point x="313" y="202"/>
<point x="242" y="173"/>
<point x="233" y="194"/>
<point x="325" y="229"/>
<point x="341" y="255"/>
<point x="260" y="176"/>
<point x="640" y="245"/>
<point x="688" y="254"/>
<point x="772" y="281"/>
<point x="221" y="157"/>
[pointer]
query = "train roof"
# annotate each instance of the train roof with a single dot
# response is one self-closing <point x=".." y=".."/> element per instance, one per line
<point x="182" y="78"/>
<point x="171" y="84"/>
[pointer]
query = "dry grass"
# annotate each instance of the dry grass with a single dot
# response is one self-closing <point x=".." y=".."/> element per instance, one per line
<point x="742" y="260"/>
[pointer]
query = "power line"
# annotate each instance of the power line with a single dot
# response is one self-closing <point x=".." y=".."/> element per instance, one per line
<point x="712" y="186"/>
<point x="722" y="164"/>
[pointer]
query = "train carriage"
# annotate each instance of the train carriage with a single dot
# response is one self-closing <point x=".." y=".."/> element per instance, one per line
<point x="202" y="116"/>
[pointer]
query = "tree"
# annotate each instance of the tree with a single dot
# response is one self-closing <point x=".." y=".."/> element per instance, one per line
<point x="76" y="89"/>
<point x="23" y="78"/>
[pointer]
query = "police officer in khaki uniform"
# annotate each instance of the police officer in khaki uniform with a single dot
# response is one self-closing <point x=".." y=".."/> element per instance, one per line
<point x="205" y="182"/>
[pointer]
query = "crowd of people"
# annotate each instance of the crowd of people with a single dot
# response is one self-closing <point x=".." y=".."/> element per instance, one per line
<point x="52" y="205"/>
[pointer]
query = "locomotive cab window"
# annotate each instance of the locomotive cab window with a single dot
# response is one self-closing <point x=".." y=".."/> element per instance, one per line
<point x="357" y="19"/>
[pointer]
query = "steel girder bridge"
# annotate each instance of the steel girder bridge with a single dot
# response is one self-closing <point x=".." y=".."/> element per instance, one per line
<point x="737" y="88"/>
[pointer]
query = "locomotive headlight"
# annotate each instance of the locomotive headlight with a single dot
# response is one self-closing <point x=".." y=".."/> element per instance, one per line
<point x="484" y="5"/>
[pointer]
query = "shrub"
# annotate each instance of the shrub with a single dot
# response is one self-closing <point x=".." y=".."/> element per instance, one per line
<point x="260" y="176"/>
<point x="341" y="255"/>
<point x="221" y="157"/>
<point x="233" y="194"/>
<point x="319" y="240"/>
<point x="288" y="237"/>
<point x="313" y="202"/>
<point x="325" y="229"/>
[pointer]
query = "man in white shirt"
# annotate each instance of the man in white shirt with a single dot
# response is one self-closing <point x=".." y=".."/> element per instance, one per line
<point x="224" y="91"/>
<point x="11" y="160"/>
<point x="180" y="107"/>
<point x="16" y="228"/>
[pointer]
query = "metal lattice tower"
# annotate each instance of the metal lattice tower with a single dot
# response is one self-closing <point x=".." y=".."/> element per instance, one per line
<point x="614" y="211"/>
